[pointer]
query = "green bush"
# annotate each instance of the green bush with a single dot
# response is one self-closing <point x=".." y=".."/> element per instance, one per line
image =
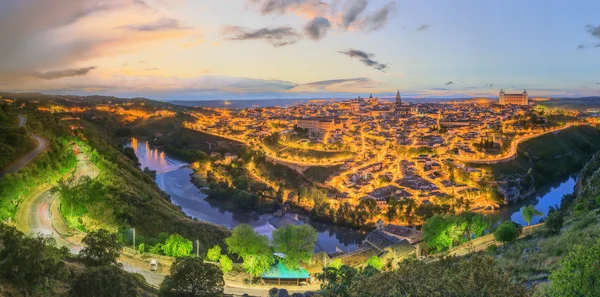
<point x="506" y="232"/>
<point x="177" y="246"/>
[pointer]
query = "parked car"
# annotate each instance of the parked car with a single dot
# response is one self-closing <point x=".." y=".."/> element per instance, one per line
<point x="153" y="264"/>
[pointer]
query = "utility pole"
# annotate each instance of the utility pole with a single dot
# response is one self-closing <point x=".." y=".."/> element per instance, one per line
<point x="197" y="248"/>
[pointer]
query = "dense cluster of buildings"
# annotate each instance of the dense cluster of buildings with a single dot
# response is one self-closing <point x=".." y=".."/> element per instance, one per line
<point x="396" y="149"/>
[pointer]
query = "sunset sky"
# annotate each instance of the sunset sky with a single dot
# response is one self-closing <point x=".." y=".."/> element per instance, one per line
<point x="254" y="49"/>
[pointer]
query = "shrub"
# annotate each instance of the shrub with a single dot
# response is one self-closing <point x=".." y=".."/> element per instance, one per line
<point x="554" y="223"/>
<point x="226" y="264"/>
<point x="214" y="253"/>
<point x="506" y="232"/>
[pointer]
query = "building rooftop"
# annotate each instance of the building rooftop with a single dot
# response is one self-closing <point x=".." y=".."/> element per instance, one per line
<point x="280" y="271"/>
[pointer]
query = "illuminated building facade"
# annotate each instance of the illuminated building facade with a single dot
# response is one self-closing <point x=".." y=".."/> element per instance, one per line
<point x="319" y="124"/>
<point x="514" y="99"/>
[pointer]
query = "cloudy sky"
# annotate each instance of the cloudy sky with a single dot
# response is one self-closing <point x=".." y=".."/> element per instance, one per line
<point x="237" y="49"/>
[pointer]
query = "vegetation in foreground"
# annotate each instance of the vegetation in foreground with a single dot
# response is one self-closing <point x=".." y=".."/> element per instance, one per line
<point x="123" y="196"/>
<point x="14" y="141"/>
<point x="46" y="169"/>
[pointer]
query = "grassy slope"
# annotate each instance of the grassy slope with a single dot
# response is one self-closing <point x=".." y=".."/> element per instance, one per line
<point x="14" y="142"/>
<point x="138" y="202"/>
<point x="47" y="168"/>
<point x="553" y="156"/>
<point x="582" y="227"/>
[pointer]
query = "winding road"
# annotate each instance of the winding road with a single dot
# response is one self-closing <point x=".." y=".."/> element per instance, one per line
<point x="42" y="144"/>
<point x="39" y="214"/>
<point x="513" y="151"/>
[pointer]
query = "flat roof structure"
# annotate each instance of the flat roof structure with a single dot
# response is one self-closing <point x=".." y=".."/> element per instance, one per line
<point x="279" y="272"/>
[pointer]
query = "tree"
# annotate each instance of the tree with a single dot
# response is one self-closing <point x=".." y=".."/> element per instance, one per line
<point x="191" y="277"/>
<point x="226" y="264"/>
<point x="336" y="263"/>
<point x="554" y="222"/>
<point x="141" y="248"/>
<point x="297" y="243"/>
<point x="578" y="273"/>
<point x="157" y="249"/>
<point x="439" y="232"/>
<point x="177" y="246"/>
<point x="104" y="281"/>
<point x="279" y="195"/>
<point x="101" y="248"/>
<point x="506" y="232"/>
<point x="451" y="276"/>
<point x="368" y="205"/>
<point x="335" y="282"/>
<point x="529" y="212"/>
<point x="214" y="253"/>
<point x="375" y="262"/>
<point x="253" y="248"/>
<point x="30" y="261"/>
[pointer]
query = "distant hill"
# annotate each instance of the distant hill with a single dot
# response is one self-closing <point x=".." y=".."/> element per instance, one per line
<point x="253" y="103"/>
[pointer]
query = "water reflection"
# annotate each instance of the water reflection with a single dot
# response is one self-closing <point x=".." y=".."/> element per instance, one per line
<point x="546" y="197"/>
<point x="175" y="181"/>
<point x="153" y="158"/>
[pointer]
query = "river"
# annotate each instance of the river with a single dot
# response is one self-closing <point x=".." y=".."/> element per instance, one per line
<point x="545" y="198"/>
<point x="174" y="178"/>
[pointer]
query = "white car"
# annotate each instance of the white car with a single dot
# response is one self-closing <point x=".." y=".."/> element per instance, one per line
<point x="153" y="265"/>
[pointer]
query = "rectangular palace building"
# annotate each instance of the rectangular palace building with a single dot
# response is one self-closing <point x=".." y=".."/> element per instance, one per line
<point x="515" y="99"/>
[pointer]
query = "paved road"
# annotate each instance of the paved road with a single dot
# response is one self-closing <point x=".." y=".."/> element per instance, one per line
<point x="42" y="144"/>
<point x="39" y="214"/>
<point x="513" y="151"/>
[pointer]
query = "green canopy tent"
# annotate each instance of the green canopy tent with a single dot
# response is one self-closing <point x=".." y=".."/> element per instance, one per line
<point x="281" y="273"/>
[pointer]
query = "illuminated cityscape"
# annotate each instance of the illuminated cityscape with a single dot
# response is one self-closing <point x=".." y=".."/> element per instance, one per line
<point x="304" y="148"/>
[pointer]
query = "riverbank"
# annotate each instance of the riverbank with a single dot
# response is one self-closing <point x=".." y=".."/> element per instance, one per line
<point x="176" y="182"/>
<point x="187" y="195"/>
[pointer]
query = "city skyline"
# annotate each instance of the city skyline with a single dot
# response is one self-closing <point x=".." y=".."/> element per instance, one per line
<point x="268" y="49"/>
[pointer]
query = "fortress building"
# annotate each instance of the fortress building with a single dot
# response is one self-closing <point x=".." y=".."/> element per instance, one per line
<point x="515" y="99"/>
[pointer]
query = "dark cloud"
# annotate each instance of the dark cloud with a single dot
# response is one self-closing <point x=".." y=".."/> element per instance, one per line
<point x="423" y="28"/>
<point x="593" y="30"/>
<point x="449" y="83"/>
<point x="279" y="36"/>
<point x="379" y="18"/>
<point x="351" y="10"/>
<point x="326" y="83"/>
<point x="588" y="46"/>
<point x="281" y="6"/>
<point x="488" y="85"/>
<point x="317" y="28"/>
<point x="365" y="58"/>
<point x="56" y="74"/>
<point x="164" y="24"/>
<point x="439" y="89"/>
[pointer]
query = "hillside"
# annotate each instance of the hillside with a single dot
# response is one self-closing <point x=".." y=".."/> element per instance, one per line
<point x="551" y="157"/>
<point x="135" y="199"/>
<point x="120" y="198"/>
<point x="14" y="141"/>
<point x="543" y="256"/>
